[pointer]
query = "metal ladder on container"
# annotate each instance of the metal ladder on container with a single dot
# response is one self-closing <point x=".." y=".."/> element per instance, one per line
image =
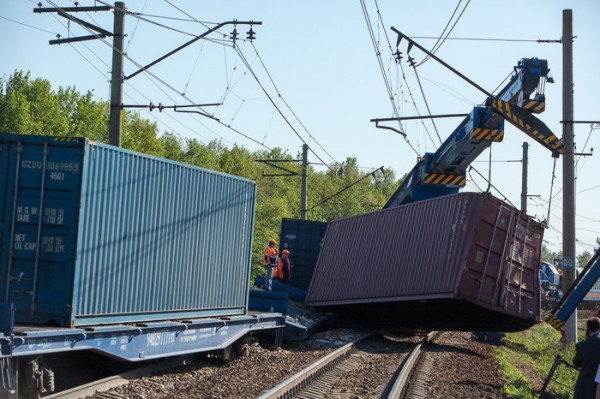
<point x="20" y="278"/>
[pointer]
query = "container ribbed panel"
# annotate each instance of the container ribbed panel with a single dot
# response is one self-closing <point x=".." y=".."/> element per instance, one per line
<point x="161" y="237"/>
<point x="95" y="234"/>
<point x="468" y="246"/>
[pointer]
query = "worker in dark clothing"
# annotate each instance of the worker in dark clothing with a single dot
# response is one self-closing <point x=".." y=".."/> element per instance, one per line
<point x="587" y="358"/>
<point x="270" y="263"/>
<point x="284" y="269"/>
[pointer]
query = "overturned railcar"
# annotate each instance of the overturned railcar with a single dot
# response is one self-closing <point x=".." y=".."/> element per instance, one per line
<point x="463" y="262"/>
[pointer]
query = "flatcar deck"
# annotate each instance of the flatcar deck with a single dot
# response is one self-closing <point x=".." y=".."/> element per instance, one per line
<point x="140" y="341"/>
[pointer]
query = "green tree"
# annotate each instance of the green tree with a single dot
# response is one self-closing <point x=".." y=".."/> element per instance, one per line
<point x="583" y="258"/>
<point x="140" y="135"/>
<point x="89" y="118"/>
<point x="173" y="147"/>
<point x="30" y="106"/>
<point x="201" y="155"/>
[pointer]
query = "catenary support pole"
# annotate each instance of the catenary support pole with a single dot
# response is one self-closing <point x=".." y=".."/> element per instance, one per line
<point x="304" y="192"/>
<point x="568" y="171"/>
<point x="524" y="178"/>
<point x="116" y="88"/>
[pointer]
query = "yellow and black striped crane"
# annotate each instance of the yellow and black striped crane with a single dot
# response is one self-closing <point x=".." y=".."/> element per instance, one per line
<point x="443" y="172"/>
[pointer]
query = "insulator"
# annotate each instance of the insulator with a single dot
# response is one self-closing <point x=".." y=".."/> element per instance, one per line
<point x="234" y="34"/>
<point x="251" y="34"/>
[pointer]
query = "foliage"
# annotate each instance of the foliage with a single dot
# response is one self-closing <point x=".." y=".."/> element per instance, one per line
<point x="30" y="106"/>
<point x="534" y="349"/>
<point x="583" y="258"/>
<point x="549" y="256"/>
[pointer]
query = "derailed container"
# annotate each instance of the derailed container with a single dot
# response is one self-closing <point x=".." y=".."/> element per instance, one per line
<point x="95" y="234"/>
<point x="303" y="238"/>
<point x="465" y="262"/>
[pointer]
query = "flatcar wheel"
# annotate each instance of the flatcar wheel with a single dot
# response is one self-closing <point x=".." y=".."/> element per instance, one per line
<point x="243" y="346"/>
<point x="36" y="379"/>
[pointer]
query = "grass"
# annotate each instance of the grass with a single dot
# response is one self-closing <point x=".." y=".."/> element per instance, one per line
<point x="527" y="357"/>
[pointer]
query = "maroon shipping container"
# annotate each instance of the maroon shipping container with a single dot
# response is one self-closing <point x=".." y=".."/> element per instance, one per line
<point x="466" y="262"/>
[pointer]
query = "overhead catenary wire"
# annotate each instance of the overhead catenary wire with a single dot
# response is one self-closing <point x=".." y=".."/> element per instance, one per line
<point x="154" y="76"/>
<point x="133" y="88"/>
<point x="387" y="38"/>
<point x="103" y="74"/>
<point x="140" y="16"/>
<point x="29" y="26"/>
<point x="490" y="185"/>
<point x="286" y="120"/>
<point x="426" y="102"/>
<point x="205" y="24"/>
<point x="435" y="49"/>
<point x="288" y="106"/>
<point x="584" y="147"/>
<point x="489" y="39"/>
<point x="551" y="188"/>
<point x="382" y="69"/>
<point x="137" y="24"/>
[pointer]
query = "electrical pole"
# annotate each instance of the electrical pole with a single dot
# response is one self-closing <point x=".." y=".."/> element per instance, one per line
<point x="288" y="172"/>
<point x="304" y="191"/>
<point x="116" y="87"/>
<point x="524" y="178"/>
<point x="568" y="171"/>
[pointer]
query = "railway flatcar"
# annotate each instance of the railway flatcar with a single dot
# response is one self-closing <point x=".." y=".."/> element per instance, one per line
<point x="121" y="253"/>
<point x="466" y="262"/>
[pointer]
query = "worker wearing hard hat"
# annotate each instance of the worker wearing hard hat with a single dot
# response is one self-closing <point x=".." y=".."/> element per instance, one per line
<point x="284" y="269"/>
<point x="270" y="263"/>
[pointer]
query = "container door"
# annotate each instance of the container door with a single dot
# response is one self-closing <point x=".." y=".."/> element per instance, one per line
<point x="304" y="239"/>
<point x="486" y="278"/>
<point x="503" y="264"/>
<point x="39" y="213"/>
<point x="520" y="288"/>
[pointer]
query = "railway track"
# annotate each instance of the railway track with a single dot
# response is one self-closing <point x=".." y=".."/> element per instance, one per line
<point x="373" y="366"/>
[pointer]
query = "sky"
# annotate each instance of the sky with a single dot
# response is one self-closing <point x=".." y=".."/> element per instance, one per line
<point x="312" y="76"/>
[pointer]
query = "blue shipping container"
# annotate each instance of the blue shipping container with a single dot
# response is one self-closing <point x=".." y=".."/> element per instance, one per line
<point x="94" y="234"/>
<point x="303" y="238"/>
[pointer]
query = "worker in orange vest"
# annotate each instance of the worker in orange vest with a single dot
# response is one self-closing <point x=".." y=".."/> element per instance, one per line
<point x="284" y="269"/>
<point x="270" y="263"/>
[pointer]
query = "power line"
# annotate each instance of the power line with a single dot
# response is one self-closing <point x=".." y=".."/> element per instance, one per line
<point x="154" y="76"/>
<point x="396" y="63"/>
<point x="137" y="24"/>
<point x="551" y="188"/>
<point x="435" y="46"/>
<point x="426" y="102"/>
<point x="186" y="14"/>
<point x="382" y="68"/>
<point x="490" y="185"/>
<point x="243" y="58"/>
<point x="489" y="39"/>
<point x="287" y="105"/>
<point x="29" y="26"/>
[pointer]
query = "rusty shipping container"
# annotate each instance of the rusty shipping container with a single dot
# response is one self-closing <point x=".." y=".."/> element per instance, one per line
<point x="465" y="262"/>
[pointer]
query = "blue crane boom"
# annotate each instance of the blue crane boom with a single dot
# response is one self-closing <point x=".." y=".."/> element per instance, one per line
<point x="443" y="172"/>
<point x="576" y="293"/>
